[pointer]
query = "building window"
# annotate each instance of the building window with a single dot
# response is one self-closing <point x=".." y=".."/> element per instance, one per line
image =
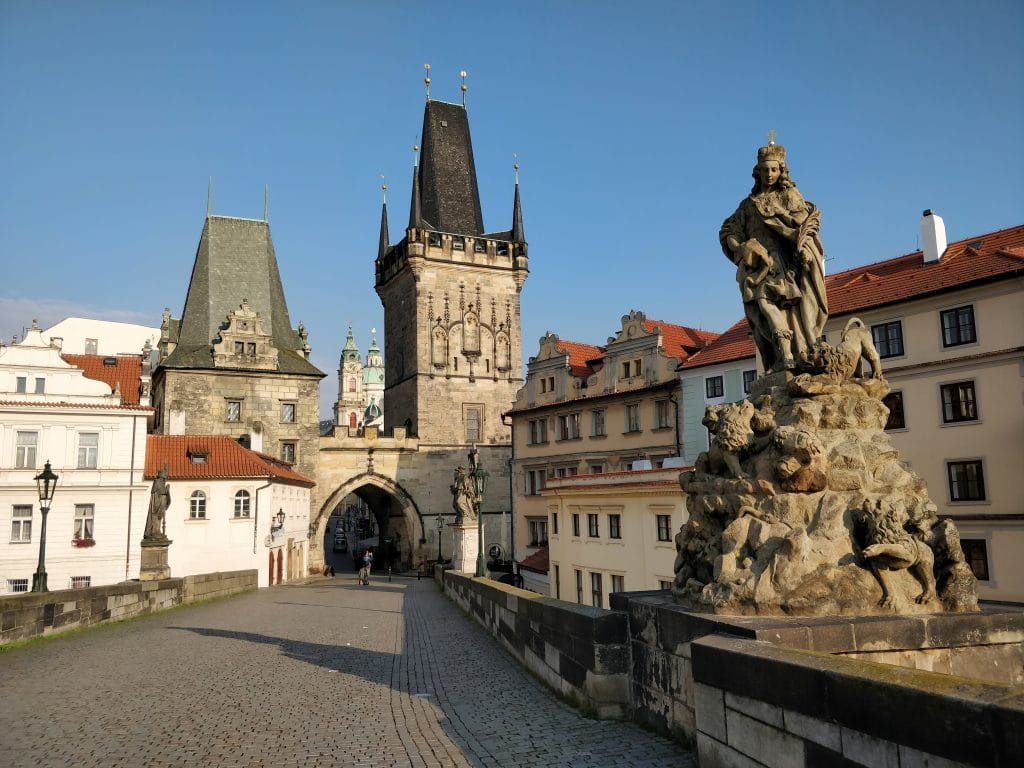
<point x="597" y="468"/>
<point x="958" y="326"/>
<point x="568" y="426"/>
<point x="535" y="481"/>
<point x="242" y="504"/>
<point x="966" y="481"/>
<point x="592" y="528"/>
<point x="239" y="347"/>
<point x="662" y="584"/>
<point x="472" y="419"/>
<point x="579" y="586"/>
<point x="894" y="402"/>
<point x="234" y="410"/>
<point x="625" y="370"/>
<point x="618" y="583"/>
<point x="976" y="555"/>
<point x="575" y="524"/>
<point x="25" y="450"/>
<point x="566" y="471"/>
<point x="538" y="533"/>
<point x="81" y="582"/>
<point x="40" y="386"/>
<point x="888" y="338"/>
<point x="614" y="526"/>
<point x="352" y="384"/>
<point x="538" y="431"/>
<point x="664" y="527"/>
<point x="197" y="506"/>
<point x="749" y="377"/>
<point x="662" y="419"/>
<point x="597" y="428"/>
<point x="958" y="402"/>
<point x="596" y="595"/>
<point x="288" y="413"/>
<point x="17" y="585"/>
<point x="558" y="583"/>
<point x="250" y="348"/>
<point x="288" y="451"/>
<point x="85" y="515"/>
<point x="633" y="417"/>
<point x="554" y="523"/>
<point x="551" y="383"/>
<point x="92" y="346"/>
<point x="21" y="524"/>
<point x="88" y="447"/>
<point x="714" y="386"/>
<point x="21" y="384"/>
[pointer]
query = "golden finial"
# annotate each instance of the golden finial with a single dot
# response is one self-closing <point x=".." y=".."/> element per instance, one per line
<point x="771" y="138"/>
<point x="426" y="80"/>
<point x="415" y="155"/>
<point x="384" y="188"/>
<point x="464" y="74"/>
<point x="515" y="165"/>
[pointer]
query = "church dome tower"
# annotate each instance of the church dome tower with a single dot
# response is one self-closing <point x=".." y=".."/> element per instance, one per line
<point x="348" y="410"/>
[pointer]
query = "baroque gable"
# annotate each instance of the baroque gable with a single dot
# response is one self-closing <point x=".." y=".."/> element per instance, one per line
<point x="243" y="342"/>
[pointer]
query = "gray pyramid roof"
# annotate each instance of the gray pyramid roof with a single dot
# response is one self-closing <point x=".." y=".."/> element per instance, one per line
<point x="235" y="260"/>
<point x="450" y="200"/>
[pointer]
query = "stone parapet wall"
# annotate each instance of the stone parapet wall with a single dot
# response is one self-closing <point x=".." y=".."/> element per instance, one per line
<point x="579" y="651"/>
<point x="44" y="613"/>
<point x="759" y="704"/>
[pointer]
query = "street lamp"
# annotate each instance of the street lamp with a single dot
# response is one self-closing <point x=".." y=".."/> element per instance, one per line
<point x="46" y="483"/>
<point x="479" y="475"/>
<point x="440" y="530"/>
<point x="280" y="522"/>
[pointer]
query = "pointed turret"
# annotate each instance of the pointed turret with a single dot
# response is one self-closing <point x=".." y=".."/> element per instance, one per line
<point x="447" y="173"/>
<point x="382" y="247"/>
<point x="518" y="235"/>
<point x="415" y="210"/>
<point x="350" y="352"/>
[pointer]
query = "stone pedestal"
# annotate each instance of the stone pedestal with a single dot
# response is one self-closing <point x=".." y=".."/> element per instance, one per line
<point x="154" y="560"/>
<point x="467" y="547"/>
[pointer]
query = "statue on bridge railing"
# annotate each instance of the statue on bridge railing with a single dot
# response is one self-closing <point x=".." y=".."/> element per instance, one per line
<point x="463" y="497"/>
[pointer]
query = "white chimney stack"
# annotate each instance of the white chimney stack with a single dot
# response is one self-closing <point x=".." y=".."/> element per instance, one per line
<point x="933" y="236"/>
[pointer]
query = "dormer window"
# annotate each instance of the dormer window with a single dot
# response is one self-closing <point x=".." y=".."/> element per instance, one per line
<point x="239" y="347"/>
<point x="197" y="458"/>
<point x="250" y="348"/>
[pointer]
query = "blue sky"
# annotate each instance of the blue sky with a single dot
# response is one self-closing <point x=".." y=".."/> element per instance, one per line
<point x="636" y="127"/>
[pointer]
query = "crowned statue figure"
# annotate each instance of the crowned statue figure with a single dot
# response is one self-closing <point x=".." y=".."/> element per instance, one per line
<point x="773" y="239"/>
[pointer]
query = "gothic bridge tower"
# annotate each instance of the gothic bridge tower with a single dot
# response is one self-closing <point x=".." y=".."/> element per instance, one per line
<point x="453" y="352"/>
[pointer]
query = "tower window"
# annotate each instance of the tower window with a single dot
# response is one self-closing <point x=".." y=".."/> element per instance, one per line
<point x="472" y="419"/>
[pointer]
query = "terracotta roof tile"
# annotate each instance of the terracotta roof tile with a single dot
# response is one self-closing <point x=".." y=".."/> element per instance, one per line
<point x="65" y="404"/>
<point x="125" y="371"/>
<point x="681" y="341"/>
<point x="580" y="356"/>
<point x="538" y="562"/>
<point x="966" y="262"/>
<point x="225" y="458"/>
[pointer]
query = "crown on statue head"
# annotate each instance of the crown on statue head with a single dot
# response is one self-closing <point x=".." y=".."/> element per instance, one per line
<point x="772" y="152"/>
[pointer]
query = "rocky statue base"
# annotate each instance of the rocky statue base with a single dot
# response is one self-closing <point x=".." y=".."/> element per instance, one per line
<point x="802" y="506"/>
<point x="467" y="547"/>
<point x="154" y="560"/>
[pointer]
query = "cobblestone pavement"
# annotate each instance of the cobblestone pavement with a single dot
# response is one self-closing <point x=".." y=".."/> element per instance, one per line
<point x="324" y="674"/>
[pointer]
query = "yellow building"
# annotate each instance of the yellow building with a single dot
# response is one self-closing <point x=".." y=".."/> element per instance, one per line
<point x="589" y="410"/>
<point x="612" y="532"/>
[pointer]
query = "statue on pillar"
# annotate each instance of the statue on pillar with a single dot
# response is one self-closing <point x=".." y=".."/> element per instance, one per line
<point x="463" y="497"/>
<point x="159" y="501"/>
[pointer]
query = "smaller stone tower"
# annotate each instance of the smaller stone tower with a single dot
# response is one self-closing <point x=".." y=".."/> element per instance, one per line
<point x="348" y="410"/>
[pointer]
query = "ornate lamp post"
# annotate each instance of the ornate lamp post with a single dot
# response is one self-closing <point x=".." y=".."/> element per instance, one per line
<point x="46" y="483"/>
<point x="479" y="475"/>
<point x="440" y="530"/>
<point x="280" y="522"/>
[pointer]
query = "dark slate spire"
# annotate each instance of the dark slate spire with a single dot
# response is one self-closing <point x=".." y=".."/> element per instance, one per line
<point x="382" y="248"/>
<point x="415" y="211"/>
<point x="447" y="174"/>
<point x="518" y="236"/>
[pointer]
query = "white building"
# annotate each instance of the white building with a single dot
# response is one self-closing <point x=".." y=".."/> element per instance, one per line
<point x="226" y="508"/>
<point x="83" y="336"/>
<point x="92" y="430"/>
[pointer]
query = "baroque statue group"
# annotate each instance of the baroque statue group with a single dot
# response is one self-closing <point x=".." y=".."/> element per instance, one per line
<point x="801" y="504"/>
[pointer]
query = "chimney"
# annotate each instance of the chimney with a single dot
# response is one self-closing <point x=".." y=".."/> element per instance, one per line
<point x="933" y="237"/>
<point x="57" y="342"/>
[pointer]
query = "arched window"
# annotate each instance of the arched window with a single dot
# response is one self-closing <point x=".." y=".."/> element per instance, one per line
<point x="352" y="420"/>
<point x="352" y="384"/>
<point x="242" y="504"/>
<point x="197" y="506"/>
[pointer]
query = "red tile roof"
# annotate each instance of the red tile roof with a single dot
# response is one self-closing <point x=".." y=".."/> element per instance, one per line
<point x="125" y="371"/>
<point x="580" y="355"/>
<point x="66" y="404"/>
<point x="680" y="341"/>
<point x="993" y="256"/>
<point x="225" y="458"/>
<point x="538" y="562"/>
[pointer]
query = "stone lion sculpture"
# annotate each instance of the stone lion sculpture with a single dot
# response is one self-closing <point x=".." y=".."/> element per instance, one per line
<point x="890" y="546"/>
<point x="731" y="434"/>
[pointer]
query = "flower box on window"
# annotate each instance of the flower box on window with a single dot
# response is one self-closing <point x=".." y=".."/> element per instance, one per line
<point x="84" y="542"/>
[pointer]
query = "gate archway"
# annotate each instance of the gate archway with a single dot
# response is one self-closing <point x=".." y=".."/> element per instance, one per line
<point x="392" y="506"/>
